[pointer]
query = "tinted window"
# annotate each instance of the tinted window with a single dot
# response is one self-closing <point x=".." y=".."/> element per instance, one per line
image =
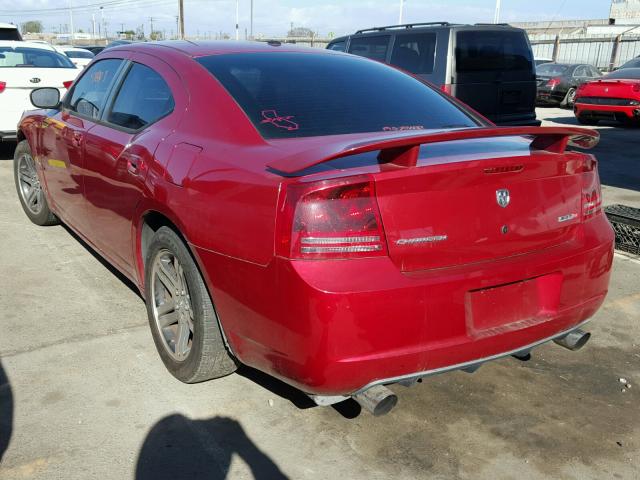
<point x="89" y="92"/>
<point x="635" y="63"/>
<point x="33" y="57"/>
<point x="551" y="69"/>
<point x="79" y="54"/>
<point x="9" y="34"/>
<point x="480" y="51"/>
<point x="632" y="73"/>
<point x="144" y="98"/>
<point x="338" y="46"/>
<point x="302" y="94"/>
<point x="414" y="53"/>
<point x="370" y="47"/>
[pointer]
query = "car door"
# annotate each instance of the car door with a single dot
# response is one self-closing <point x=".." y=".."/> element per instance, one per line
<point x="120" y="149"/>
<point x="62" y="151"/>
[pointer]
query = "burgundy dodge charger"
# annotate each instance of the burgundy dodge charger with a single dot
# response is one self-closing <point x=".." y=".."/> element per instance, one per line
<point x="322" y="217"/>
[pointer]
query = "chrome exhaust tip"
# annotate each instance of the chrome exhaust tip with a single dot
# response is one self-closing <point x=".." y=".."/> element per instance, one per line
<point x="574" y="340"/>
<point x="378" y="400"/>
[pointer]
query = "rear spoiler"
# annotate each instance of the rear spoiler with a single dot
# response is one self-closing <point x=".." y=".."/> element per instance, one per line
<point x="402" y="148"/>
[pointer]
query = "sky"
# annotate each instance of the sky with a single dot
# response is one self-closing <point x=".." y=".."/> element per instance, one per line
<point x="274" y="17"/>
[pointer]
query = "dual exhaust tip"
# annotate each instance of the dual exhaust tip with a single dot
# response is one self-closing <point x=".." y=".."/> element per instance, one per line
<point x="379" y="400"/>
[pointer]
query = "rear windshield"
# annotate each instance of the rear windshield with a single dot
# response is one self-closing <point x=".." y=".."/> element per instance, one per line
<point x="9" y="34"/>
<point x="292" y="94"/>
<point x="493" y="53"/>
<point x="32" y="57"/>
<point x="632" y="73"/>
<point x="551" y="69"/>
<point x="633" y="63"/>
<point x="78" y="54"/>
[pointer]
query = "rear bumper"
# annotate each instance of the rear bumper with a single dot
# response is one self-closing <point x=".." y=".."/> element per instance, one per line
<point x="336" y="327"/>
<point x="607" y="112"/>
<point x="549" y="97"/>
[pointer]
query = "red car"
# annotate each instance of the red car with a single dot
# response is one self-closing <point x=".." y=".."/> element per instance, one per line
<point x="319" y="216"/>
<point x="616" y="96"/>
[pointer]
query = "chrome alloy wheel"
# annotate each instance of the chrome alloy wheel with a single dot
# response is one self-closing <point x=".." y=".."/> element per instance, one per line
<point x="172" y="308"/>
<point x="30" y="188"/>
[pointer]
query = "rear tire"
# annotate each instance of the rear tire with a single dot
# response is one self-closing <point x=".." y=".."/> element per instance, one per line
<point x="587" y="121"/>
<point x="183" y="321"/>
<point x="30" y="192"/>
<point x="569" y="99"/>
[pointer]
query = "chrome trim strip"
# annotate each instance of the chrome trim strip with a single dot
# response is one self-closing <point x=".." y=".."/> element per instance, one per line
<point x="416" y="240"/>
<point x="471" y="363"/>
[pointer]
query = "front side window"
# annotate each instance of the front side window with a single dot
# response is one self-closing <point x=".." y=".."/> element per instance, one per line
<point x="144" y="98"/>
<point x="370" y="47"/>
<point x="289" y="94"/>
<point x="89" y="93"/>
<point x="414" y="53"/>
<point x="32" y="57"/>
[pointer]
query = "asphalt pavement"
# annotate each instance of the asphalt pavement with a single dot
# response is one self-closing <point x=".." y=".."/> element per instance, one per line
<point x="83" y="394"/>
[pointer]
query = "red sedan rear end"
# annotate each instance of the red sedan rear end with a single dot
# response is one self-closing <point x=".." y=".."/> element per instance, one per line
<point x="321" y="217"/>
<point x="615" y="96"/>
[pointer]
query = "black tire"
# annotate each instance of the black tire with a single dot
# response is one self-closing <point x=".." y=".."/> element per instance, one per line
<point x="208" y="356"/>
<point x="569" y="99"/>
<point x="587" y="121"/>
<point x="42" y="215"/>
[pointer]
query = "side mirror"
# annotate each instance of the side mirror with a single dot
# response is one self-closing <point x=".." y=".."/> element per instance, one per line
<point x="47" y="97"/>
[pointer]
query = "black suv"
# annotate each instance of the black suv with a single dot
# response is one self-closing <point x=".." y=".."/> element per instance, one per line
<point x="488" y="67"/>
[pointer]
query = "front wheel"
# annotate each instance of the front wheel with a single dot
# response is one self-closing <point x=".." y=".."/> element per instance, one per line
<point x="183" y="320"/>
<point x="30" y="193"/>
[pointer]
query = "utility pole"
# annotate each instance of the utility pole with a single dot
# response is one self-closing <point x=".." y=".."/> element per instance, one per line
<point x="151" y="32"/>
<point x="71" y="20"/>
<point x="93" y="22"/>
<point x="181" y="17"/>
<point x="251" y="23"/>
<point x="237" y="19"/>
<point x="104" y="27"/>
<point x="401" y="12"/>
<point x="496" y="15"/>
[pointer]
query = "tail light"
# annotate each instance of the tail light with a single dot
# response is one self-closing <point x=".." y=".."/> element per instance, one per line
<point x="591" y="193"/>
<point x="446" y="88"/>
<point x="3" y="85"/>
<point x="331" y="219"/>
<point x="554" y="82"/>
<point x="67" y="84"/>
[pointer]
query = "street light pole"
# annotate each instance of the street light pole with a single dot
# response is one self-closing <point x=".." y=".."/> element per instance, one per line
<point x="181" y="26"/>
<point x="237" y="19"/>
<point x="401" y="12"/>
<point x="251" y="23"/>
<point x="71" y="20"/>
<point x="496" y="15"/>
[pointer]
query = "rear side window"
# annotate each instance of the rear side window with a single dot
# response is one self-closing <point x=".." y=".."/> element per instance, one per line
<point x="32" y="57"/>
<point x="290" y="94"/>
<point x="370" y="47"/>
<point x="581" y="71"/>
<point x="9" y="34"/>
<point x="89" y="93"/>
<point x="414" y="53"/>
<point x="144" y="98"/>
<point x="491" y="52"/>
<point x="340" y="46"/>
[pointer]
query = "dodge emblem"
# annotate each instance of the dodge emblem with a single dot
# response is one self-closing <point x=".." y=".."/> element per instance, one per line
<point x="503" y="197"/>
<point x="35" y="80"/>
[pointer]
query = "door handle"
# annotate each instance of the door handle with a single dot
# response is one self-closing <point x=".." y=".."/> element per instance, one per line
<point x="134" y="163"/>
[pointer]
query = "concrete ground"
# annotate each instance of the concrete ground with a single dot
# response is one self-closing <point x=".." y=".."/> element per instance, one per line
<point x="83" y="394"/>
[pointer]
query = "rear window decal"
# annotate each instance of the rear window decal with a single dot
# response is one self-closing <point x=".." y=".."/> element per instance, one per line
<point x="402" y="128"/>
<point x="272" y="117"/>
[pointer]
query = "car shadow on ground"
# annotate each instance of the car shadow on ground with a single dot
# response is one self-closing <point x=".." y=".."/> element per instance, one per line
<point x="178" y="447"/>
<point x="6" y="412"/>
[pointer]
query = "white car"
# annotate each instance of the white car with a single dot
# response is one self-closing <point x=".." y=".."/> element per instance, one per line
<point x="80" y="57"/>
<point x="25" y="66"/>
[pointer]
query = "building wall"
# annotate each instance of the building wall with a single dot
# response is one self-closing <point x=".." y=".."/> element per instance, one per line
<point x="625" y="11"/>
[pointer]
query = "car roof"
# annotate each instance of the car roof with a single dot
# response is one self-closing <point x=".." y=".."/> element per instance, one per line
<point x="21" y="44"/>
<point x="203" y="48"/>
<point x="8" y="25"/>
